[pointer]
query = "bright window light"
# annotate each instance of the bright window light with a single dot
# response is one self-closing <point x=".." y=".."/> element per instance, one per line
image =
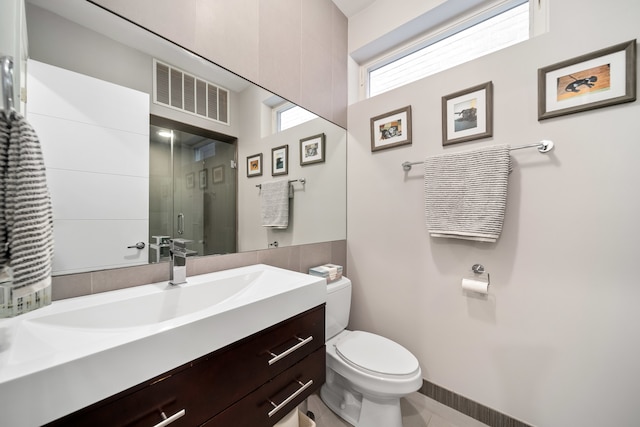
<point x="293" y="116"/>
<point x="500" y="31"/>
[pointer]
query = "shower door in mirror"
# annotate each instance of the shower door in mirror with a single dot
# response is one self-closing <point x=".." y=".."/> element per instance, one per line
<point x="192" y="190"/>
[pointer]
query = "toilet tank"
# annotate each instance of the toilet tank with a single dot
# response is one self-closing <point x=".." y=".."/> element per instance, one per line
<point x="338" y="307"/>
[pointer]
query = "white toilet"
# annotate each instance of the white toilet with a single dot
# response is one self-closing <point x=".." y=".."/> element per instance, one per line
<point x="366" y="374"/>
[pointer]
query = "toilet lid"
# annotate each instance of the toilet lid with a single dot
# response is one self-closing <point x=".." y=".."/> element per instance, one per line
<point x="376" y="353"/>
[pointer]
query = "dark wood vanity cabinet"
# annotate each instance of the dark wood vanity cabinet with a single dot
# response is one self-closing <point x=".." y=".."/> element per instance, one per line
<point x="271" y="371"/>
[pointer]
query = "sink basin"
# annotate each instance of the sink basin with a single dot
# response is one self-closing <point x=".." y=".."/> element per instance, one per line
<point x="173" y="302"/>
<point x="105" y="343"/>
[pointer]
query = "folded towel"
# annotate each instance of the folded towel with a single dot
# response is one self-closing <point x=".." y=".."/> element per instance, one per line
<point x="26" y="215"/>
<point x="275" y="204"/>
<point x="466" y="193"/>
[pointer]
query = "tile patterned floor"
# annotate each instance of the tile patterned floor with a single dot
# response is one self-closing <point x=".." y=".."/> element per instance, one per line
<point x="417" y="411"/>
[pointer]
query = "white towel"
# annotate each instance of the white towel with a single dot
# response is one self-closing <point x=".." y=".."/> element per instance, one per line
<point x="275" y="204"/>
<point x="26" y="215"/>
<point x="466" y="193"/>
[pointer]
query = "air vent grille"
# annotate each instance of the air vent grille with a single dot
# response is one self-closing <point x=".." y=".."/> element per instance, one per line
<point x="189" y="93"/>
<point x="177" y="89"/>
<point x="162" y="84"/>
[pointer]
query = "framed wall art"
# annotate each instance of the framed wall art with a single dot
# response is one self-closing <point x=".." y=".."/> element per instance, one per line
<point x="391" y="129"/>
<point x="254" y="165"/>
<point x="595" y="80"/>
<point x="312" y="149"/>
<point x="218" y="174"/>
<point x="190" y="180"/>
<point x="468" y="114"/>
<point x="203" y="179"/>
<point x="280" y="160"/>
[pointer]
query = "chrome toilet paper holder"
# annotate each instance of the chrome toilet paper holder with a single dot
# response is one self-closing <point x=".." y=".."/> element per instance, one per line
<point x="477" y="282"/>
<point x="478" y="269"/>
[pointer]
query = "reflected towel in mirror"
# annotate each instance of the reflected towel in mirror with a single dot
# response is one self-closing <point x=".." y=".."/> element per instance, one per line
<point x="274" y="207"/>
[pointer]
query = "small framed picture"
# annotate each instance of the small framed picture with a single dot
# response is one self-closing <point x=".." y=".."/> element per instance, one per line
<point x="595" y="80"/>
<point x="468" y="114"/>
<point x="312" y="149"/>
<point x="218" y="174"/>
<point x="391" y="129"/>
<point x="254" y="165"/>
<point x="203" y="179"/>
<point x="280" y="160"/>
<point x="190" y="180"/>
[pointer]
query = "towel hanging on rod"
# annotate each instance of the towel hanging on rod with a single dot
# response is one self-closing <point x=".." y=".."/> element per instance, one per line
<point x="466" y="193"/>
<point x="274" y="206"/>
<point x="543" y="146"/>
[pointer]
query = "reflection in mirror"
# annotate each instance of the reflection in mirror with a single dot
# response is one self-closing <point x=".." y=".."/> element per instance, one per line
<point x="217" y="202"/>
<point x="192" y="189"/>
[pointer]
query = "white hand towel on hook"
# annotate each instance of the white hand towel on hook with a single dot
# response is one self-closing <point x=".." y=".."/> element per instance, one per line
<point x="274" y="206"/>
<point x="466" y="193"/>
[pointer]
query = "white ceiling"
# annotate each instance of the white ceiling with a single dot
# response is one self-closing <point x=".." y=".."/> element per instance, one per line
<point x="351" y="7"/>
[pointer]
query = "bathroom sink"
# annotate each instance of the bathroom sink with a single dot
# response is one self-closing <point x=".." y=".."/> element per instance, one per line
<point x="173" y="302"/>
<point x="105" y="343"/>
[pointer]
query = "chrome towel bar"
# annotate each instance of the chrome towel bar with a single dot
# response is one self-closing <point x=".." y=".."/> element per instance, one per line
<point x="543" y="146"/>
<point x="302" y="181"/>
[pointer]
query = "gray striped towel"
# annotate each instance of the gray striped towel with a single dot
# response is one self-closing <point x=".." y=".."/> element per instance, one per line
<point x="466" y="193"/>
<point x="26" y="215"/>
<point x="274" y="206"/>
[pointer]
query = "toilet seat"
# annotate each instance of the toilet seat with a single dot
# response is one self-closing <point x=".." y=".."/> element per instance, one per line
<point x="373" y="353"/>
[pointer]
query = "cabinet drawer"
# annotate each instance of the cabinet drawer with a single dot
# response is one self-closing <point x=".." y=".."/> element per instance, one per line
<point x="212" y="383"/>
<point x="246" y="365"/>
<point x="278" y="396"/>
<point x="147" y="406"/>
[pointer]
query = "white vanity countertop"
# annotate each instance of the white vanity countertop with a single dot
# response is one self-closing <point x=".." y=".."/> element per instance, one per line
<point x="75" y="352"/>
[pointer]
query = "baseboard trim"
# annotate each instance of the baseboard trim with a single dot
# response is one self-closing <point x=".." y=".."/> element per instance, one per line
<point x="468" y="407"/>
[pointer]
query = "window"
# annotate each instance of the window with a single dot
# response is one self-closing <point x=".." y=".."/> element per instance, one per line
<point x="469" y="41"/>
<point x="290" y="115"/>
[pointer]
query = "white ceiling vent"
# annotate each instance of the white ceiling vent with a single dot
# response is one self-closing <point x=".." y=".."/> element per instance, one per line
<point x="176" y="89"/>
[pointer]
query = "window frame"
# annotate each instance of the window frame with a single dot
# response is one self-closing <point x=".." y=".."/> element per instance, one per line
<point x="448" y="30"/>
<point x="281" y="108"/>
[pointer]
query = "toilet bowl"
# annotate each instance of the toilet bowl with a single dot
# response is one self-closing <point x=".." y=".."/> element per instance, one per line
<point x="367" y="374"/>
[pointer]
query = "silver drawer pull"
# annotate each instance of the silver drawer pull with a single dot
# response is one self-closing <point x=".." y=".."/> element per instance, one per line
<point x="277" y="357"/>
<point x="276" y="408"/>
<point x="166" y="421"/>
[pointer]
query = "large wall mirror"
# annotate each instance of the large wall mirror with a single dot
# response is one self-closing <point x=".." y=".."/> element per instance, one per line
<point x="189" y="179"/>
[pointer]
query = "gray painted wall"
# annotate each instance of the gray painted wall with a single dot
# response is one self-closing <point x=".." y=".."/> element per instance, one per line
<point x="555" y="343"/>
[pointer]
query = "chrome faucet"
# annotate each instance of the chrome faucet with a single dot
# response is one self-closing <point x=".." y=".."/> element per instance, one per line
<point x="178" y="254"/>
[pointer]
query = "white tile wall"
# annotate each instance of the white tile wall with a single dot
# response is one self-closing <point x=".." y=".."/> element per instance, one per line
<point x="66" y="94"/>
<point x="68" y="144"/>
<point x="86" y="195"/>
<point x="89" y="245"/>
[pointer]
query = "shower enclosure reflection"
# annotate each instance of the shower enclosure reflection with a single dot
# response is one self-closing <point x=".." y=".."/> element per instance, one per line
<point x="192" y="189"/>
